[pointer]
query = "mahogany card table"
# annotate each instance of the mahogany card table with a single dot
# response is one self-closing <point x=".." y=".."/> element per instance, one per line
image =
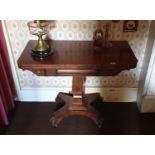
<point x="78" y="59"/>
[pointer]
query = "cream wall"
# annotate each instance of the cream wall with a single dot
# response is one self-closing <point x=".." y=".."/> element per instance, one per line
<point x="151" y="85"/>
<point x="18" y="36"/>
<point x="146" y="92"/>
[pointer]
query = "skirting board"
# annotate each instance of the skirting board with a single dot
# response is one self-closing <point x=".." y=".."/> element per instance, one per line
<point x="108" y="94"/>
<point x="148" y="104"/>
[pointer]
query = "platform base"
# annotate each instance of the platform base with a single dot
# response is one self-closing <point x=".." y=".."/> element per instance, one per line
<point x="70" y="109"/>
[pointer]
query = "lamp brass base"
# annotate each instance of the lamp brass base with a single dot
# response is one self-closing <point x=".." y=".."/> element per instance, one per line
<point x="42" y="54"/>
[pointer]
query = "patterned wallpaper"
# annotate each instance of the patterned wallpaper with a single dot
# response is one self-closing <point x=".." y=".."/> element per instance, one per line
<point x="79" y="30"/>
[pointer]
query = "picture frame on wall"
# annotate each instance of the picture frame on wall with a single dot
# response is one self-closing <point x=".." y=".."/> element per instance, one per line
<point x="130" y="26"/>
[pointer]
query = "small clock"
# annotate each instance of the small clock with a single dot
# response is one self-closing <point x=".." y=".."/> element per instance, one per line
<point x="130" y="25"/>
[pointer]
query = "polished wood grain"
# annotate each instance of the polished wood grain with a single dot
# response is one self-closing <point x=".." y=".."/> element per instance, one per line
<point x="79" y="59"/>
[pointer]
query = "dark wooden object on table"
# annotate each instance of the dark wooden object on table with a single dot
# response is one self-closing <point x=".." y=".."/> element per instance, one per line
<point x="79" y="59"/>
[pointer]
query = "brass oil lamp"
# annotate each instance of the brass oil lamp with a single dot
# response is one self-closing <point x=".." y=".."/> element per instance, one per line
<point x="40" y="28"/>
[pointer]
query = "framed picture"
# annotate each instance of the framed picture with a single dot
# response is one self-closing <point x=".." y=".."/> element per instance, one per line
<point x="130" y="25"/>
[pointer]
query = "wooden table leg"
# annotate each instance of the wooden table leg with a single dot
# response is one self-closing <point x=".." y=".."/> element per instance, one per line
<point x="77" y="103"/>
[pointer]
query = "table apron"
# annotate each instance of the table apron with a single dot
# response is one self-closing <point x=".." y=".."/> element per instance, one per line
<point x="73" y="72"/>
